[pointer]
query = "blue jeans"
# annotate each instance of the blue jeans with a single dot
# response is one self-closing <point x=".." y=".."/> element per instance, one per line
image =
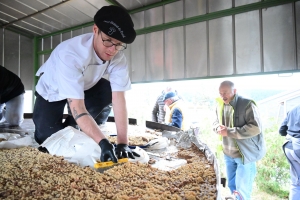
<point x="294" y="161"/>
<point x="240" y="177"/>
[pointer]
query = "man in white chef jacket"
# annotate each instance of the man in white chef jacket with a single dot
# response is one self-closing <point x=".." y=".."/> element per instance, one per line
<point x="73" y="74"/>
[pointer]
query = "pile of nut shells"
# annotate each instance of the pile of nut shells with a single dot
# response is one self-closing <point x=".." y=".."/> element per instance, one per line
<point x="27" y="173"/>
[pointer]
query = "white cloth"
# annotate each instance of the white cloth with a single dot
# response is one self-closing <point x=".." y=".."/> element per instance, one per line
<point x="74" y="67"/>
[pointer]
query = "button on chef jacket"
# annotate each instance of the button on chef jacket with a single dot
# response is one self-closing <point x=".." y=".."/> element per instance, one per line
<point x="74" y="67"/>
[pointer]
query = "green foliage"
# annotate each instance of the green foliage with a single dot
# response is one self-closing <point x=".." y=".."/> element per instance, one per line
<point x="273" y="170"/>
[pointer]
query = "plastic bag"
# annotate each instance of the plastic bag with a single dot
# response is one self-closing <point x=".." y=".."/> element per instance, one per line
<point x="75" y="146"/>
<point x="13" y="140"/>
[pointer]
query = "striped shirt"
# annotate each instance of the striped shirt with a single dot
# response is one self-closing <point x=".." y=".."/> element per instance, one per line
<point x="229" y="144"/>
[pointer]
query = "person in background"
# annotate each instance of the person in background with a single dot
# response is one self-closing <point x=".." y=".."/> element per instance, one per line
<point x="175" y="110"/>
<point x="11" y="98"/>
<point x="239" y="125"/>
<point x="158" y="111"/>
<point x="290" y="128"/>
<point x="73" y="74"/>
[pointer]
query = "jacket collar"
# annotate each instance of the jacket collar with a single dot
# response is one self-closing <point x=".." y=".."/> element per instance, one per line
<point x="234" y="100"/>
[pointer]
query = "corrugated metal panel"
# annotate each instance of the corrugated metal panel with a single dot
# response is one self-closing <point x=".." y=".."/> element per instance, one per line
<point x="163" y="60"/>
<point x="40" y="45"/>
<point x="10" y="10"/>
<point x="247" y="32"/>
<point x="278" y="38"/>
<point x="194" y="8"/>
<point x="49" y="3"/>
<point x="138" y="59"/>
<point x="41" y="60"/>
<point x="129" y="5"/>
<point x="66" y="36"/>
<point x="173" y="11"/>
<point x="98" y="4"/>
<point x="62" y="18"/>
<point x="244" y="2"/>
<point x="84" y="7"/>
<point x="174" y="53"/>
<point x="26" y="62"/>
<point x="297" y="5"/>
<point x="11" y="52"/>
<point x="217" y="5"/>
<point x="47" y="43"/>
<point x="196" y="50"/>
<point x="6" y="18"/>
<point x="38" y="24"/>
<point x="17" y="6"/>
<point x="220" y="46"/>
<point x="77" y="32"/>
<point x="31" y="28"/>
<point x="88" y="29"/>
<point x="50" y="21"/>
<point x="138" y="20"/>
<point x="1" y="46"/>
<point x="155" y="56"/>
<point x="56" y="39"/>
<point x="35" y="5"/>
<point x="154" y="16"/>
<point x="43" y="27"/>
<point x="73" y="13"/>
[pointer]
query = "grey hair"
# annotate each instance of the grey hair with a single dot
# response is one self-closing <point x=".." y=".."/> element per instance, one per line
<point x="227" y="83"/>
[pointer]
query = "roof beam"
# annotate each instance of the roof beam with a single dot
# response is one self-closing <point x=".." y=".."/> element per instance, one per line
<point x="27" y="16"/>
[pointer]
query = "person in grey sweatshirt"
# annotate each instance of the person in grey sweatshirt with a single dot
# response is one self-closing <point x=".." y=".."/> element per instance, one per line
<point x="290" y="128"/>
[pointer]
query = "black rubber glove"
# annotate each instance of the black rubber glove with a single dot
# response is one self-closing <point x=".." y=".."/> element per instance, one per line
<point x="123" y="151"/>
<point x="107" y="151"/>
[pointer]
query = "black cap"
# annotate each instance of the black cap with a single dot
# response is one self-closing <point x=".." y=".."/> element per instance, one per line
<point x="115" y="22"/>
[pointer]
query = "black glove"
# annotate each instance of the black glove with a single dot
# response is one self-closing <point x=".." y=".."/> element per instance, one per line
<point x="107" y="151"/>
<point x="123" y="151"/>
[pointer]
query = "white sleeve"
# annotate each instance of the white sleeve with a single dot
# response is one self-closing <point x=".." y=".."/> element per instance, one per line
<point x="118" y="74"/>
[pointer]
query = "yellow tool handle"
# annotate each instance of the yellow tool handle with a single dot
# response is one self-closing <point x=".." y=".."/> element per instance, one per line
<point x="109" y="163"/>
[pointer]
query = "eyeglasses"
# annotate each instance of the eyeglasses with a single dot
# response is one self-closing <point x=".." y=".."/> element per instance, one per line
<point x="108" y="43"/>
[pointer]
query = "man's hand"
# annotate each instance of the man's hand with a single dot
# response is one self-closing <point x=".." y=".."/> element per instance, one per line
<point x="222" y="130"/>
<point x="107" y="151"/>
<point x="123" y="151"/>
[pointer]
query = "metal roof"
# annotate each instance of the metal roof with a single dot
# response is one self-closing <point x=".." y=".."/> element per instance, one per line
<point x="40" y="17"/>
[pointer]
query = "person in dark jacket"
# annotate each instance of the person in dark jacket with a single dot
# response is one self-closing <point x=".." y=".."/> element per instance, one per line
<point x="175" y="110"/>
<point x="290" y="128"/>
<point x="11" y="98"/>
<point x="158" y="111"/>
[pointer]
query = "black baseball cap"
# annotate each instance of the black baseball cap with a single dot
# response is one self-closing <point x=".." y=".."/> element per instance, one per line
<point x="115" y="22"/>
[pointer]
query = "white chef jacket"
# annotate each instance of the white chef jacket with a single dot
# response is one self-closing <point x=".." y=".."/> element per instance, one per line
<point x="74" y="67"/>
